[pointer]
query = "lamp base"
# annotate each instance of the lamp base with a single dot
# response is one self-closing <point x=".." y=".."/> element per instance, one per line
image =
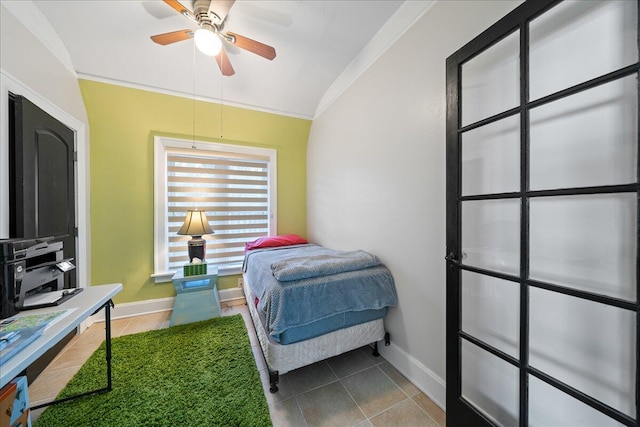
<point x="197" y="247"/>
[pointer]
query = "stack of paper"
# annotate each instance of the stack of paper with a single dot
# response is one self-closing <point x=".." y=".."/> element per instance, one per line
<point x="19" y="331"/>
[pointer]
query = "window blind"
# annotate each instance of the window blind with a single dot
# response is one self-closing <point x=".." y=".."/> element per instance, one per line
<point x="232" y="190"/>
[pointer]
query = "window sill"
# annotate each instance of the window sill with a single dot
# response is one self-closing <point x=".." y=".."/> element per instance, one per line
<point x="163" y="277"/>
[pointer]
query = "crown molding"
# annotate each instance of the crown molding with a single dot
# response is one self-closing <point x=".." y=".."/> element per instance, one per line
<point x="196" y="97"/>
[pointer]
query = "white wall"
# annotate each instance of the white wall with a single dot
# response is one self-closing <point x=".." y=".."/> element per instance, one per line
<point x="27" y="67"/>
<point x="376" y="178"/>
<point x="23" y="56"/>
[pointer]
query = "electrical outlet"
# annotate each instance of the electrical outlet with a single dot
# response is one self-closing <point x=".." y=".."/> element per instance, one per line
<point x="240" y="282"/>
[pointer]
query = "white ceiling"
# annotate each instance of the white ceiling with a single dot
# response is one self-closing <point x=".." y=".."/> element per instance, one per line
<point x="321" y="47"/>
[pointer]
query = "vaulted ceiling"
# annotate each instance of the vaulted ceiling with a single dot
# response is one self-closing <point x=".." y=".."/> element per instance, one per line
<point x="321" y="46"/>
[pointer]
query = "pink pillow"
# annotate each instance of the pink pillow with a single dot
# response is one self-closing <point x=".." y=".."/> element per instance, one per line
<point x="273" y="241"/>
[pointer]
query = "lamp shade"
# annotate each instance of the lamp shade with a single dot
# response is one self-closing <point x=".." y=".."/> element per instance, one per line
<point x="195" y="224"/>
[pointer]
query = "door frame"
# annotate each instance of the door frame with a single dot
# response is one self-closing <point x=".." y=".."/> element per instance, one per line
<point x="9" y="83"/>
<point x="463" y="413"/>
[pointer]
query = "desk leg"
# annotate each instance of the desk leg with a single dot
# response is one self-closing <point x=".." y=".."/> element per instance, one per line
<point x="107" y="329"/>
<point x="107" y="317"/>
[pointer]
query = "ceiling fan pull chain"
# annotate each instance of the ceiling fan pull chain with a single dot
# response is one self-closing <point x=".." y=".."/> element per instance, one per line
<point x="193" y="101"/>
<point x="221" y="105"/>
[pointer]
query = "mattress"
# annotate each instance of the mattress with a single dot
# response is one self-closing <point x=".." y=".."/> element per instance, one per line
<point x="309" y="306"/>
<point x="285" y="358"/>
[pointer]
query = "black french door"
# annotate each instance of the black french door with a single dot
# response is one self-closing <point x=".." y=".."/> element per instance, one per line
<point x="543" y="219"/>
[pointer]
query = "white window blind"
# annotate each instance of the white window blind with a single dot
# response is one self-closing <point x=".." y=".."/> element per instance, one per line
<point x="234" y="185"/>
<point x="232" y="192"/>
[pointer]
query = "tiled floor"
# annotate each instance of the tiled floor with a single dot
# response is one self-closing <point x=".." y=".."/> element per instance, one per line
<point x="353" y="389"/>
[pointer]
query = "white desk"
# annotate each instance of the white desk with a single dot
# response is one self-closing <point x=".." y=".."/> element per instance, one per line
<point x="85" y="303"/>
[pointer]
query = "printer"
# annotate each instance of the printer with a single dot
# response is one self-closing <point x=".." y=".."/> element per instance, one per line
<point x="27" y="267"/>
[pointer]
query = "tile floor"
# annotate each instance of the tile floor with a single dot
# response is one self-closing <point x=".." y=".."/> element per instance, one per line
<point x="353" y="389"/>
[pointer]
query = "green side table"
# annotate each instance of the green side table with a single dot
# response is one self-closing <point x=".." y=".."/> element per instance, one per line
<point x="196" y="297"/>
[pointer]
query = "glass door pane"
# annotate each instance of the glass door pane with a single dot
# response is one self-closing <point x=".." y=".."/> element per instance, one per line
<point x="491" y="311"/>
<point x="491" y="81"/>
<point x="585" y="242"/>
<point x="588" y="345"/>
<point x="579" y="40"/>
<point x="549" y="407"/>
<point x="586" y="139"/>
<point x="491" y="158"/>
<point x="491" y="234"/>
<point x="490" y="384"/>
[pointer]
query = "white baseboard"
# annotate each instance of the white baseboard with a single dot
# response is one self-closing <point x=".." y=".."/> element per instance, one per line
<point x="231" y="296"/>
<point x="421" y="376"/>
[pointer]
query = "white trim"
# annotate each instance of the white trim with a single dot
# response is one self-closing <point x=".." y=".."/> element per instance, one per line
<point x="419" y="375"/>
<point x="160" y="146"/>
<point x="28" y="14"/>
<point x="9" y="83"/>
<point x="398" y="24"/>
<point x="230" y="296"/>
<point x="139" y="308"/>
<point x="163" y="277"/>
<point x="191" y="96"/>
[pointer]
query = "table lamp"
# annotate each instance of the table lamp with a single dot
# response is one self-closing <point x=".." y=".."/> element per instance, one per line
<point x="196" y="225"/>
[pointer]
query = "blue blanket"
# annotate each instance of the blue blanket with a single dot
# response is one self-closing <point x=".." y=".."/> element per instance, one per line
<point x="299" y="302"/>
<point x="299" y="268"/>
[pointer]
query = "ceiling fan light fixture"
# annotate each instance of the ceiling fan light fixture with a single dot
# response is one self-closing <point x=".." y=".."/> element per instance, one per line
<point x="207" y="42"/>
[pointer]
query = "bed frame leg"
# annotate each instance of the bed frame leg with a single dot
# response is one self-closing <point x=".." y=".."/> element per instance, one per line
<point x="387" y="342"/>
<point x="375" y="350"/>
<point x="274" y="378"/>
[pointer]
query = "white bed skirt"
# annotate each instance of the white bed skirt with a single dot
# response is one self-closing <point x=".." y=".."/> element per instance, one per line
<point x="285" y="358"/>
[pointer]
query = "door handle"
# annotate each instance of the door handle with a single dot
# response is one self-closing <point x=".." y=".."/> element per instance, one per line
<point x="452" y="258"/>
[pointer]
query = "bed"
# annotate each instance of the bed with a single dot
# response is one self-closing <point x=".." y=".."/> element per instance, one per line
<point x="309" y="303"/>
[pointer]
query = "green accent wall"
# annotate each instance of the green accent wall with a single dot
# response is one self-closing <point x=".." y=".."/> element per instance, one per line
<point x="123" y="122"/>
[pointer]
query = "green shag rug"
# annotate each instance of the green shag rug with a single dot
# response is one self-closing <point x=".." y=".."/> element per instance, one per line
<point x="199" y="374"/>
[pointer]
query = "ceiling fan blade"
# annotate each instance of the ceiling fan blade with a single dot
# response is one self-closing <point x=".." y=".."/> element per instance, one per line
<point x="256" y="47"/>
<point x="172" y="37"/>
<point x="220" y="8"/>
<point x="181" y="9"/>
<point x="223" y="62"/>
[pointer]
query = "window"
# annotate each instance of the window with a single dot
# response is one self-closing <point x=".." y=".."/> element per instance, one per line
<point x="234" y="185"/>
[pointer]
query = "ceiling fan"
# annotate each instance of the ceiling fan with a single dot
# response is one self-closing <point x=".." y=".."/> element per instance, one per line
<point x="210" y="16"/>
